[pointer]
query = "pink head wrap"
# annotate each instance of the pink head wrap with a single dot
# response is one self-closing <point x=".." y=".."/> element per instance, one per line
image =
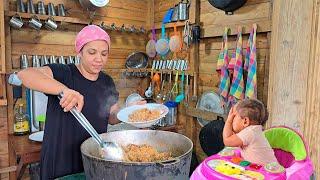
<point x="90" y="33"/>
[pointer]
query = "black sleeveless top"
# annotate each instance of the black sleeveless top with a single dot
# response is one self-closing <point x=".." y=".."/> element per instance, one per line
<point x="60" y="153"/>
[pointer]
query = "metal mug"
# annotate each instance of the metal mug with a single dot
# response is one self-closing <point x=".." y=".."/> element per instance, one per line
<point x="61" y="60"/>
<point x="76" y="60"/>
<point x="24" y="61"/>
<point x="70" y="60"/>
<point x="183" y="11"/>
<point x="35" y="61"/>
<point x="61" y="10"/>
<point x="52" y="60"/>
<point x="41" y="8"/>
<point x="51" y="24"/>
<point x="16" y="21"/>
<point x="44" y="60"/>
<point x="30" y="7"/>
<point x="20" y="6"/>
<point x="51" y="10"/>
<point x="35" y="22"/>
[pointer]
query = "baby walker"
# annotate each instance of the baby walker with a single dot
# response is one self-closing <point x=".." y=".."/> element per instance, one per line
<point x="290" y="151"/>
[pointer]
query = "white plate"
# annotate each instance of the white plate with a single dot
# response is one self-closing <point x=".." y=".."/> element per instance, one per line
<point x="37" y="136"/>
<point x="123" y="115"/>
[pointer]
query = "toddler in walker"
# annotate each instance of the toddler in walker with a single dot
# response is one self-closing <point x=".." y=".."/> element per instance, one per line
<point x="243" y="129"/>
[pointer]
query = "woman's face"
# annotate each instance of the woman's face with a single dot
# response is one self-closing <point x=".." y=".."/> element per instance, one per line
<point x="94" y="56"/>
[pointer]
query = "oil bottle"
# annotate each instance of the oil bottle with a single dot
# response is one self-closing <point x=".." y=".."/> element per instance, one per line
<point x="21" y="123"/>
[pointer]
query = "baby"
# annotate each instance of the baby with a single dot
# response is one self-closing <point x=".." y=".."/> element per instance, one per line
<point x="243" y="129"/>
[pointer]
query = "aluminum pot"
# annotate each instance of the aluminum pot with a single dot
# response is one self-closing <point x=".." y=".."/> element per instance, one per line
<point x="178" y="168"/>
<point x="92" y="5"/>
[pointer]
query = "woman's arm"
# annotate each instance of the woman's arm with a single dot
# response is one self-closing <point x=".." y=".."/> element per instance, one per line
<point x="113" y="114"/>
<point x="41" y="79"/>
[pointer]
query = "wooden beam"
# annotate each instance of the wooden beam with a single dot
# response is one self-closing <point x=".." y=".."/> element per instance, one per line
<point x="294" y="83"/>
<point x="8" y="169"/>
<point x="2" y="39"/>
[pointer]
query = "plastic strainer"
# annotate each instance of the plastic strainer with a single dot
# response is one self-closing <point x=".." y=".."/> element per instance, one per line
<point x="175" y="41"/>
<point x="151" y="45"/>
<point x="162" y="45"/>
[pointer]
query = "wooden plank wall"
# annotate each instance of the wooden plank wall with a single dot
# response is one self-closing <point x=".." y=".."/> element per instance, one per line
<point x="61" y="42"/>
<point x="294" y="71"/>
<point x="212" y="23"/>
<point x="160" y="9"/>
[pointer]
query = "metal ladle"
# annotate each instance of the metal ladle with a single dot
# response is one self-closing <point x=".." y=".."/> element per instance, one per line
<point x="110" y="150"/>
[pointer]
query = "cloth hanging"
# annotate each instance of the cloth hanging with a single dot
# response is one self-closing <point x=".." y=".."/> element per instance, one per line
<point x="237" y="87"/>
<point x="222" y="68"/>
<point x="251" y="85"/>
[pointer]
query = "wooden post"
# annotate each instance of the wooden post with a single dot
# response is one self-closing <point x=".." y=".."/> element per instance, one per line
<point x="2" y="39"/>
<point x="294" y="82"/>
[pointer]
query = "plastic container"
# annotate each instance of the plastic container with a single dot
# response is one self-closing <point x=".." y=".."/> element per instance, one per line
<point x="171" y="117"/>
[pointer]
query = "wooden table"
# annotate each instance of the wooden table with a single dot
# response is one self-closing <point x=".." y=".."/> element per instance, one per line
<point x="25" y="151"/>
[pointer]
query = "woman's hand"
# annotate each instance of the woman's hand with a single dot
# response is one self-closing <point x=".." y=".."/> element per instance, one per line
<point x="138" y="102"/>
<point x="70" y="99"/>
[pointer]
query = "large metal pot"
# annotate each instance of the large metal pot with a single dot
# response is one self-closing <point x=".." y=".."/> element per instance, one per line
<point x="178" y="169"/>
<point x="92" y="5"/>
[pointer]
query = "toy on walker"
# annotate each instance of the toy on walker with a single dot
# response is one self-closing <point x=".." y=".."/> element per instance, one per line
<point x="290" y="151"/>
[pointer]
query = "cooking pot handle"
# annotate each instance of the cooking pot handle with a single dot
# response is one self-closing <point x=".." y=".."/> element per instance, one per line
<point x="169" y="162"/>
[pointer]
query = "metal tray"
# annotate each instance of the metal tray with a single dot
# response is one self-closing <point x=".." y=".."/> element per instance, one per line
<point x="209" y="101"/>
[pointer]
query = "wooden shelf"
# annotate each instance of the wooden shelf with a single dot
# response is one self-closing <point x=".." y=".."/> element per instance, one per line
<point x="45" y="17"/>
<point x="169" y="25"/>
<point x="194" y="112"/>
<point x="3" y="102"/>
<point x="166" y="71"/>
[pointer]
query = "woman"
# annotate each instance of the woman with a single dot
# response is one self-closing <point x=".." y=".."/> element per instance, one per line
<point x="84" y="86"/>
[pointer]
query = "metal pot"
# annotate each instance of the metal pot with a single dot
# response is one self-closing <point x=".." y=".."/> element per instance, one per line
<point x="183" y="10"/>
<point x="92" y="5"/>
<point x="175" y="14"/>
<point x="178" y="168"/>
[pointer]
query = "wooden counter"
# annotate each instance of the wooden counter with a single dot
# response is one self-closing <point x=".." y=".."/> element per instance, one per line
<point x="25" y="151"/>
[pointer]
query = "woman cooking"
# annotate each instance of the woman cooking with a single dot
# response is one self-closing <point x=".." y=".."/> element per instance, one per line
<point x="84" y="86"/>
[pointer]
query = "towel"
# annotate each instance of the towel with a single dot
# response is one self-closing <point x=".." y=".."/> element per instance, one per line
<point x="251" y="85"/>
<point x="237" y="86"/>
<point x="222" y="67"/>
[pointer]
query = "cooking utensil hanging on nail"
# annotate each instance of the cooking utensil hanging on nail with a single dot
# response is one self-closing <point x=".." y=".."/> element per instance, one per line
<point x="151" y="45"/>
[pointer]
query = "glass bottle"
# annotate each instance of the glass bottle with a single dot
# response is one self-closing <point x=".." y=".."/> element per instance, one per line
<point x="21" y="123"/>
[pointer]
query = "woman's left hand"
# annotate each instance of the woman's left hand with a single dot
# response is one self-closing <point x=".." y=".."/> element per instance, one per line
<point x="139" y="102"/>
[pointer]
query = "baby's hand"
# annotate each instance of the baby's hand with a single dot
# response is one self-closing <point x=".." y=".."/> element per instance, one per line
<point x="231" y="115"/>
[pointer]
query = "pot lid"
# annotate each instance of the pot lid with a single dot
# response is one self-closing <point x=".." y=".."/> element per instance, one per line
<point x="209" y="101"/>
<point x="99" y="3"/>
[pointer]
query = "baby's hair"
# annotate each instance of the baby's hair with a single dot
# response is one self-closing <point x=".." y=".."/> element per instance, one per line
<point x="254" y="109"/>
